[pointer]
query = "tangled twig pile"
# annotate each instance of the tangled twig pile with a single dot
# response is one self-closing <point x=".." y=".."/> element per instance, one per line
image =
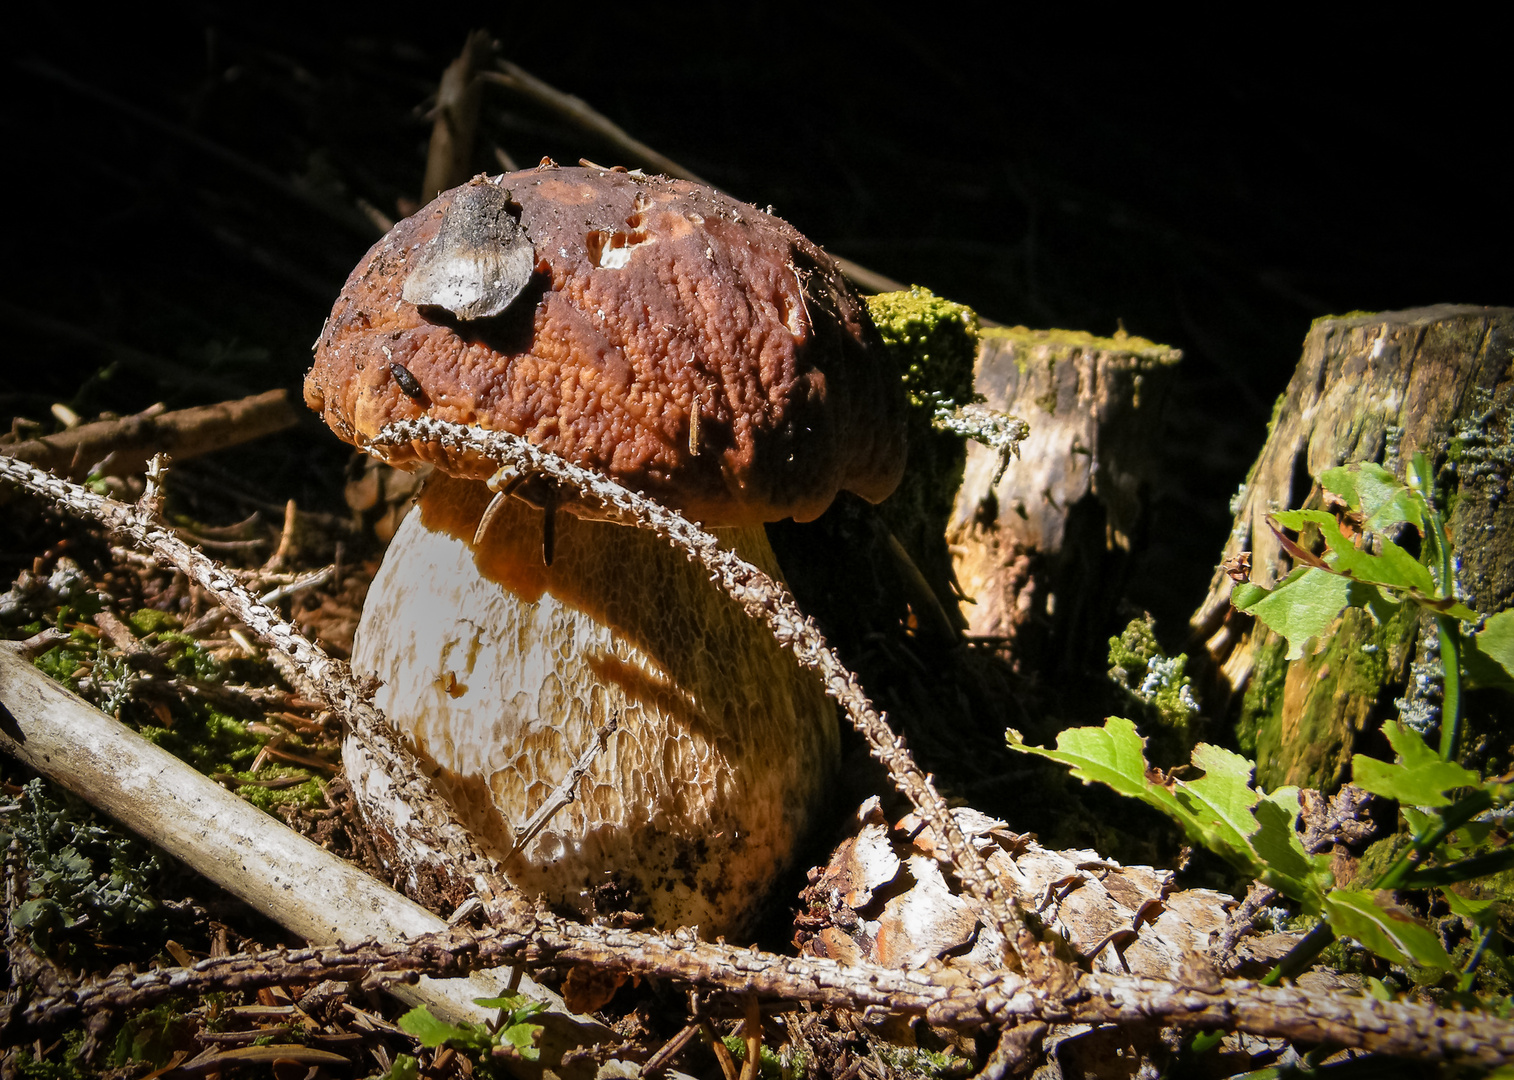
<point x="1048" y="991"/>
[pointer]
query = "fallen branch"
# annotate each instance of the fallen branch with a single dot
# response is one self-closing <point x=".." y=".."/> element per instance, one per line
<point x="1349" y="1022"/>
<point x="123" y="447"/>
<point x="272" y="868"/>
<point x="531" y="938"/>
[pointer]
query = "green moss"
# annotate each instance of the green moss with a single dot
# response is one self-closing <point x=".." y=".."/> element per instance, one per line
<point x="1277" y="411"/>
<point x="1262" y="706"/>
<point x="210" y="740"/>
<point x="1158" y="683"/>
<point x="934" y="341"/>
<point x="150" y="620"/>
<point x="935" y="344"/>
<point x="788" y="1063"/>
<point x="309" y="795"/>
<point x="1301" y="721"/>
<point x="1344" y="318"/>
<point x="1063" y="342"/>
<point x="914" y="1062"/>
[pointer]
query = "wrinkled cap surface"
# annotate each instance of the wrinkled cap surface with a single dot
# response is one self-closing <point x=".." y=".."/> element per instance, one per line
<point x="594" y="312"/>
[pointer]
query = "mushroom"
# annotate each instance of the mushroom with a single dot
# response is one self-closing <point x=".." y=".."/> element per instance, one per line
<point x="686" y="345"/>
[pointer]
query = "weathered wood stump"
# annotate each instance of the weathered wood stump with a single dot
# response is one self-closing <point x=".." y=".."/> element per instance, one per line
<point x="1369" y="387"/>
<point x="1042" y="552"/>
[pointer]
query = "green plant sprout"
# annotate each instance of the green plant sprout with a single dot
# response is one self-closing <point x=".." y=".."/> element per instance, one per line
<point x="1441" y="801"/>
<point x="511" y="1035"/>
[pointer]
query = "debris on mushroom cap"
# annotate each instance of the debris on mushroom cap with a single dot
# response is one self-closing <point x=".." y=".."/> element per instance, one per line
<point x="688" y="345"/>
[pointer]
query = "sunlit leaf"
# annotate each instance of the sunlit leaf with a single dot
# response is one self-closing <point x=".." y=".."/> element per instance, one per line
<point x="1114" y="754"/>
<point x="1489" y="655"/>
<point x="1381" y="498"/>
<point x="1289" y="869"/>
<point x="1302" y="606"/>
<point x="1220" y="801"/>
<point x="1387" y="930"/>
<point x="1245" y="594"/>
<point x="419" y="1023"/>
<point x="1418" y="778"/>
<point x="1482" y="914"/>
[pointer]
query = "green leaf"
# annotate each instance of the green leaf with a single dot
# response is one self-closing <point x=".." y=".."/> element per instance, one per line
<point x="1488" y="656"/>
<point x="419" y="1022"/>
<point x="1215" y="810"/>
<point x="1381" y="498"/>
<point x="1287" y="867"/>
<point x="519" y="1006"/>
<point x="1418" y="778"/>
<point x="1496" y="639"/>
<point x="1390" y="932"/>
<point x="1220" y="801"/>
<point x="1245" y="594"/>
<point x="1395" y="568"/>
<point x="1302" y="606"/>
<point x="1482" y="914"/>
<point x="405" y="1067"/>
<point x="1114" y="754"/>
<point x="523" y="1037"/>
<point x="1419" y="821"/>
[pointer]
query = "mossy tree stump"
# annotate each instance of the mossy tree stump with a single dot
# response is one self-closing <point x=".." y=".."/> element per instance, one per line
<point x="1043" y="552"/>
<point x="1370" y="387"/>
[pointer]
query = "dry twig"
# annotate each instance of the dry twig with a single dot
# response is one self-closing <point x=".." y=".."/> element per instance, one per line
<point x="763" y="599"/>
<point x="123" y="447"/>
<point x="331" y="680"/>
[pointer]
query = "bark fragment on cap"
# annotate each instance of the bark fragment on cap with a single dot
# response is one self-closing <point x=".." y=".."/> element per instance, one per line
<point x="648" y="299"/>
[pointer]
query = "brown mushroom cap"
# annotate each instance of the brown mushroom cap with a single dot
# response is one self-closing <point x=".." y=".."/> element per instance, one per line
<point x="592" y="312"/>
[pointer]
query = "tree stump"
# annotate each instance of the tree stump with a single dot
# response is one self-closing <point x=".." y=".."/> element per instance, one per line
<point x="1041" y="553"/>
<point x="1369" y="387"/>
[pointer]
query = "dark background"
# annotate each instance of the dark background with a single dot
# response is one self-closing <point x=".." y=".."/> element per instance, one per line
<point x="185" y="186"/>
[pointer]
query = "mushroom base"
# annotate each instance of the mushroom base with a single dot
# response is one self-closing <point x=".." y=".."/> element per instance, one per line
<point x="501" y="671"/>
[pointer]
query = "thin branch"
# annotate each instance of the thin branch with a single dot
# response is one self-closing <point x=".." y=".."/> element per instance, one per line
<point x="124" y="446"/>
<point x="565" y="792"/>
<point x="1360" y="1022"/>
<point x="528" y="937"/>
<point x="763" y="599"/>
<point x="328" y="680"/>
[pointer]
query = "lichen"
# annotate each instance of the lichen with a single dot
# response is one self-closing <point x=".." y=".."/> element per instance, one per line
<point x="87" y="880"/>
<point x="1156" y="680"/>
<point x="1479" y="451"/>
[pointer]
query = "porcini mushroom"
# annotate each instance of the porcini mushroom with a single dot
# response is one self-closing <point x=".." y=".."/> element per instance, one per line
<point x="686" y="345"/>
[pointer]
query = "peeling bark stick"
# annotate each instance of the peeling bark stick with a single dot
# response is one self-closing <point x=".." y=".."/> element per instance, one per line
<point x="770" y="603"/>
<point x="275" y="870"/>
<point x="129" y="442"/>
